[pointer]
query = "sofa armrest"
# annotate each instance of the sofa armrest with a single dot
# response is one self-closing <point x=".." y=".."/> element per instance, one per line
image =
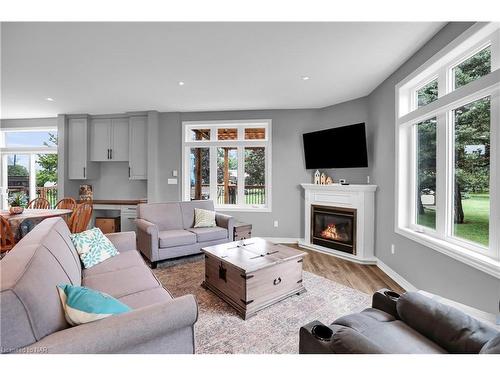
<point x="129" y="332"/>
<point x="123" y="241"/>
<point x="386" y="301"/>
<point x="147" y="239"/>
<point x="226" y="221"/>
<point x="343" y="340"/>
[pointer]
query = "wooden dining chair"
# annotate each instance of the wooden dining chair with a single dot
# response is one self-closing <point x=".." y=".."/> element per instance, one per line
<point x="39" y="203"/>
<point x="80" y="219"/>
<point x="7" y="240"/>
<point x="66" y="204"/>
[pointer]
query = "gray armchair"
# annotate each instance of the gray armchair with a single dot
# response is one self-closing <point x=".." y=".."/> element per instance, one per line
<point x="165" y="230"/>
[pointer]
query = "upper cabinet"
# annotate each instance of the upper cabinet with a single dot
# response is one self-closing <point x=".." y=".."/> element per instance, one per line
<point x="138" y="148"/>
<point x="79" y="166"/>
<point x="109" y="139"/>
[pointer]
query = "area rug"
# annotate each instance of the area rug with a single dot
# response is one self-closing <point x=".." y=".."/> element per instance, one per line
<point x="274" y="330"/>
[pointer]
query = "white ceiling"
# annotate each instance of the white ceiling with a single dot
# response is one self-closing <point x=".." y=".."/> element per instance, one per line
<point x="117" y="67"/>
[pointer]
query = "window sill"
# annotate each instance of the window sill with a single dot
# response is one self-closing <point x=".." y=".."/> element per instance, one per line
<point x="243" y="209"/>
<point x="478" y="261"/>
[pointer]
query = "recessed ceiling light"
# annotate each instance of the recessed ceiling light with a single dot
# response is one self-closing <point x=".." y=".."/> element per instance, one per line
<point x="181" y="83"/>
<point x="305" y="78"/>
<point x="49" y="99"/>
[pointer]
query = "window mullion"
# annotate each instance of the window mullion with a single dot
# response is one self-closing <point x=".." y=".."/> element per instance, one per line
<point x="494" y="225"/>
<point x="441" y="175"/>
<point x="213" y="174"/>
<point x="241" y="176"/>
<point x="32" y="177"/>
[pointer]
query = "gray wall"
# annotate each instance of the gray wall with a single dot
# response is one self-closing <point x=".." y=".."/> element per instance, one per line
<point x="288" y="170"/>
<point x="423" y="267"/>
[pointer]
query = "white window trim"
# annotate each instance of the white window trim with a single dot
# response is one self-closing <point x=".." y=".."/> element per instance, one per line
<point x="406" y="115"/>
<point x="30" y="151"/>
<point x="240" y="143"/>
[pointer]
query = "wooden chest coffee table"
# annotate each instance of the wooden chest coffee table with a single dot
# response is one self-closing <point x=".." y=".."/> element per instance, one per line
<point x="253" y="274"/>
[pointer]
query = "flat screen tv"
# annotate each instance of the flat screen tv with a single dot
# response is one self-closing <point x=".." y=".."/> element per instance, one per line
<point x="343" y="147"/>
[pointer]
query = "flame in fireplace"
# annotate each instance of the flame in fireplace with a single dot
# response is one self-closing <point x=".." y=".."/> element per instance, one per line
<point x="333" y="233"/>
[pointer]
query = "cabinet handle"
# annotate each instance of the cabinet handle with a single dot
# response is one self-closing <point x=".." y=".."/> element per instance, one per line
<point x="111" y="153"/>
<point x="129" y="171"/>
<point x="84" y="173"/>
<point x="277" y="281"/>
<point x="108" y="154"/>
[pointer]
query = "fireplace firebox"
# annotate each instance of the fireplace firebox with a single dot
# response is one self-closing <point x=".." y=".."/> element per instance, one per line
<point x="334" y="227"/>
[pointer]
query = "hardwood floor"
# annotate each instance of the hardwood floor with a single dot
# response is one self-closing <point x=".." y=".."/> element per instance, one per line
<point x="365" y="278"/>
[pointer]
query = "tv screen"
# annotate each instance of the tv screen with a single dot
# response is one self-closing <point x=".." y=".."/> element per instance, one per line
<point x="343" y="147"/>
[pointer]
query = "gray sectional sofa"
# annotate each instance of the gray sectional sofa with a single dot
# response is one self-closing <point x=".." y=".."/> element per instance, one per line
<point x="32" y="318"/>
<point x="165" y="230"/>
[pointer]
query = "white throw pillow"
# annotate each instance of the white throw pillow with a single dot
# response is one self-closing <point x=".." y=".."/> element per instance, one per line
<point x="93" y="247"/>
<point x="204" y="218"/>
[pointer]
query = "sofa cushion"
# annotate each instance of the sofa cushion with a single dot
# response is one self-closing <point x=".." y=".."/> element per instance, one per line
<point x="209" y="234"/>
<point x="390" y="335"/>
<point x="122" y="282"/>
<point x="146" y="298"/>
<point x="166" y="216"/>
<point x="187" y="209"/>
<point x="449" y="327"/>
<point x="123" y="260"/>
<point x="171" y="238"/>
<point x="31" y="308"/>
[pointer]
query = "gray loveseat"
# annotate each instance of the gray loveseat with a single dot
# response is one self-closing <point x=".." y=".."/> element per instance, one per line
<point x="32" y="319"/>
<point x="165" y="230"/>
<point x="412" y="323"/>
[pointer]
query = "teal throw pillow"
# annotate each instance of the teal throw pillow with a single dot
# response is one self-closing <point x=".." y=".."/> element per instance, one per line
<point x="84" y="305"/>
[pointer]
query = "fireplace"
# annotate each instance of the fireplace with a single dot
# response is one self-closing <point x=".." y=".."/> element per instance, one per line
<point x="334" y="227"/>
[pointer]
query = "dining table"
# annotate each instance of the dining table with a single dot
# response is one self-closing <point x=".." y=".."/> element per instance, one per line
<point x="24" y="222"/>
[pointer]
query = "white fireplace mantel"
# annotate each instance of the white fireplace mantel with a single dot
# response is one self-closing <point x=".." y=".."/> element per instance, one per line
<point x="358" y="197"/>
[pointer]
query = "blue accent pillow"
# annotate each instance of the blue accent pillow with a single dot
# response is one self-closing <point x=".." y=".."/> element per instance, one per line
<point x="84" y="305"/>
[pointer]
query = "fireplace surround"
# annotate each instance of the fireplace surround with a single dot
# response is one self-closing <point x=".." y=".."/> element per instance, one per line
<point x="357" y="201"/>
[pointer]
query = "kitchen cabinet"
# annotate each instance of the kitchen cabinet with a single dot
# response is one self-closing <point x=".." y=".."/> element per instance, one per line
<point x="138" y="148"/>
<point x="109" y="139"/>
<point x="79" y="166"/>
<point x="128" y="215"/>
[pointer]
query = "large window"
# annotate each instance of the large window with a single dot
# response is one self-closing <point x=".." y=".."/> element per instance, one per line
<point x="29" y="164"/>
<point x="229" y="163"/>
<point x="448" y="151"/>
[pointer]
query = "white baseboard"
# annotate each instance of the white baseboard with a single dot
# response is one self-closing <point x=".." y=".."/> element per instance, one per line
<point x="281" y="239"/>
<point x="396" y="277"/>
<point x="384" y="267"/>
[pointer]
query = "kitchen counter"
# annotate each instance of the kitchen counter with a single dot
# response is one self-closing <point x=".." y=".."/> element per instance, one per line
<point x="118" y="202"/>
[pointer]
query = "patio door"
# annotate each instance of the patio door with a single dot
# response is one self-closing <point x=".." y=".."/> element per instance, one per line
<point x="31" y="174"/>
<point x="28" y="164"/>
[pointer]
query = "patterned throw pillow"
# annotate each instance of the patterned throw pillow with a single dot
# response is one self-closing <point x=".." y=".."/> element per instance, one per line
<point x="204" y="218"/>
<point x="84" y="305"/>
<point x="93" y="247"/>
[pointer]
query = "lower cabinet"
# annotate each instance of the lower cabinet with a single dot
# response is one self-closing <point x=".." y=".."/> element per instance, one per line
<point x="128" y="214"/>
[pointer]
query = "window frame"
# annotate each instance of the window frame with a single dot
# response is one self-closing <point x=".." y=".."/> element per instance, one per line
<point x="240" y="144"/>
<point x="408" y="114"/>
<point x="30" y="151"/>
